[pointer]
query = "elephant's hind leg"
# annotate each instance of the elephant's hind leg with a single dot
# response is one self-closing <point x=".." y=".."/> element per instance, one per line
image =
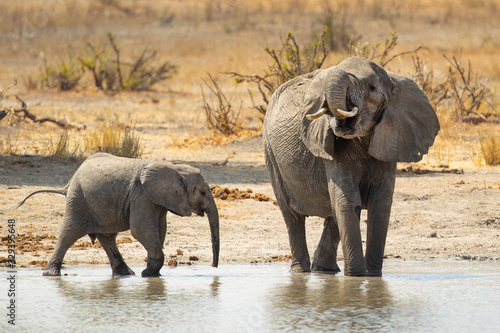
<point x="325" y="257"/>
<point x="64" y="242"/>
<point x="118" y="265"/>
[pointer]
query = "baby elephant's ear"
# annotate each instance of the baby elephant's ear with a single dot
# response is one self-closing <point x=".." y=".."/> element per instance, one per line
<point x="166" y="187"/>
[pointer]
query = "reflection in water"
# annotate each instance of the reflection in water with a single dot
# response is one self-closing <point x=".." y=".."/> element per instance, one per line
<point x="110" y="288"/>
<point x="425" y="297"/>
<point x="332" y="302"/>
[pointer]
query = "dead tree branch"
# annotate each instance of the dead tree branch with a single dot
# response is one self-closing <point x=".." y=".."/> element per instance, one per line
<point x="24" y="113"/>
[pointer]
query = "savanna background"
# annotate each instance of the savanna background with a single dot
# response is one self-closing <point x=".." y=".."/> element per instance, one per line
<point x="188" y="81"/>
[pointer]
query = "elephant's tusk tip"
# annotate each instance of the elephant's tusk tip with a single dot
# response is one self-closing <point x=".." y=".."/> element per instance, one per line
<point x="349" y="114"/>
<point x="318" y="114"/>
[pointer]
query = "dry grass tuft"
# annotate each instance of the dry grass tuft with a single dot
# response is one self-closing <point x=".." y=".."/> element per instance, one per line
<point x="490" y="149"/>
<point x="62" y="149"/>
<point x="114" y="140"/>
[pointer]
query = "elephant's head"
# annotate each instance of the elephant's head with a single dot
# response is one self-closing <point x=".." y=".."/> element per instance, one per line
<point x="358" y="98"/>
<point x="182" y="189"/>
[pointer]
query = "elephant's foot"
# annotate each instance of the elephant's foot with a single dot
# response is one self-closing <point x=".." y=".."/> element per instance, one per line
<point x="354" y="273"/>
<point x="374" y="272"/>
<point x="327" y="270"/>
<point x="53" y="268"/>
<point x="153" y="269"/>
<point x="150" y="273"/>
<point x="300" y="268"/>
<point x="122" y="270"/>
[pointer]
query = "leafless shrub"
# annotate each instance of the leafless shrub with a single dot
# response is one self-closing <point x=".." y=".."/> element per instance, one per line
<point x="386" y="55"/>
<point x="435" y="89"/>
<point x="460" y="90"/>
<point x="220" y="114"/>
<point x="290" y="61"/>
<point x="467" y="90"/>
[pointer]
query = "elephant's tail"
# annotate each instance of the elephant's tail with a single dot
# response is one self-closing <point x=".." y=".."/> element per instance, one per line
<point x="62" y="191"/>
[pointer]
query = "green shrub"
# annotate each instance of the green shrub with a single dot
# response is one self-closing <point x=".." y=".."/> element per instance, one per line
<point x="63" y="77"/>
<point x="108" y="69"/>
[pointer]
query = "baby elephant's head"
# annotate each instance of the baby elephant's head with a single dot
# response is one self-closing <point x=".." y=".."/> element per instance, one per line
<point x="181" y="189"/>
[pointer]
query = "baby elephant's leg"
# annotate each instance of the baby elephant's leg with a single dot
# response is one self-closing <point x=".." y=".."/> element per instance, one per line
<point x="67" y="237"/>
<point x="148" y="234"/>
<point x="118" y="265"/>
<point x="155" y="255"/>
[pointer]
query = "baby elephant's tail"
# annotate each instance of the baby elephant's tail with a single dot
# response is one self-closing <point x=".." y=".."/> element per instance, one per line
<point x="62" y="191"/>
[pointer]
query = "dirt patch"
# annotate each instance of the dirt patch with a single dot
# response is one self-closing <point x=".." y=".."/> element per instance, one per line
<point x="225" y="193"/>
<point x="434" y="215"/>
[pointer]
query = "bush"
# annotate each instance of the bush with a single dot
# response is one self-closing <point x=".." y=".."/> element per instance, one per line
<point x="108" y="70"/>
<point x="63" y="77"/>
<point x="220" y="114"/>
<point x="290" y="61"/>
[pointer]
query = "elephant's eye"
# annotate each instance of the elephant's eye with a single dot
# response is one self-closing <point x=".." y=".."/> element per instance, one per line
<point x="372" y="87"/>
<point x="203" y="193"/>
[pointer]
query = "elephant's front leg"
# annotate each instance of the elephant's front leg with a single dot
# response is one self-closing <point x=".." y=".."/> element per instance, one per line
<point x="346" y="203"/>
<point x="325" y="257"/>
<point x="144" y="227"/>
<point x="379" y="211"/>
<point x="118" y="265"/>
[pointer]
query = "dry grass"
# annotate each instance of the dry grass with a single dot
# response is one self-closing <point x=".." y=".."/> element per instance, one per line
<point x="216" y="37"/>
<point x="114" y="140"/>
<point x="490" y="149"/>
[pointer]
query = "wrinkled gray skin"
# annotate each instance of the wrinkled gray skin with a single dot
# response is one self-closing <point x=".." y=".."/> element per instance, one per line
<point x="109" y="194"/>
<point x="334" y="167"/>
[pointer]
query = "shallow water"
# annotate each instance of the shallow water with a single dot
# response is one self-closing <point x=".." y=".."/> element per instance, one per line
<point x="435" y="296"/>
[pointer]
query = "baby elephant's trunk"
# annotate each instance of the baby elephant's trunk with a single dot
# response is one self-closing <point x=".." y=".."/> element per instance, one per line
<point x="213" y="220"/>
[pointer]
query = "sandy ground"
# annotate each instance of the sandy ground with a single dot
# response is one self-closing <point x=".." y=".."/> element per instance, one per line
<point x="452" y="214"/>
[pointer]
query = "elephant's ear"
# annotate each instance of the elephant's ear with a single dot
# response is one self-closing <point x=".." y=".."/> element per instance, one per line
<point x="408" y="124"/>
<point x="166" y="187"/>
<point x="317" y="134"/>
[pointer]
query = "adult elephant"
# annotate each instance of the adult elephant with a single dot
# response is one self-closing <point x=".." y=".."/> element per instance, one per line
<point x="332" y="139"/>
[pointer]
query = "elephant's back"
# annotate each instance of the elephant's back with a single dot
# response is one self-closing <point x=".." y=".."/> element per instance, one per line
<point x="104" y="182"/>
<point x="286" y="102"/>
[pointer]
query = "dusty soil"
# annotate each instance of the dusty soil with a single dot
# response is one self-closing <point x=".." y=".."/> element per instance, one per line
<point x="437" y="212"/>
<point x="449" y="212"/>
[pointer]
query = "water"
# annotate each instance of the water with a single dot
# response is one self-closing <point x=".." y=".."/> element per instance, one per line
<point x="440" y="296"/>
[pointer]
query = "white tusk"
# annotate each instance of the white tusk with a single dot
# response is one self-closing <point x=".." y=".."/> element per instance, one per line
<point x="349" y="114"/>
<point x="318" y="114"/>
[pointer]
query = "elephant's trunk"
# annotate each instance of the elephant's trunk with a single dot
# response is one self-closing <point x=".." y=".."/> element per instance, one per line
<point x="213" y="220"/>
<point x="342" y="100"/>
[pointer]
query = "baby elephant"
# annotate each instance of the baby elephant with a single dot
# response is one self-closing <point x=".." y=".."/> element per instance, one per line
<point x="109" y="194"/>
